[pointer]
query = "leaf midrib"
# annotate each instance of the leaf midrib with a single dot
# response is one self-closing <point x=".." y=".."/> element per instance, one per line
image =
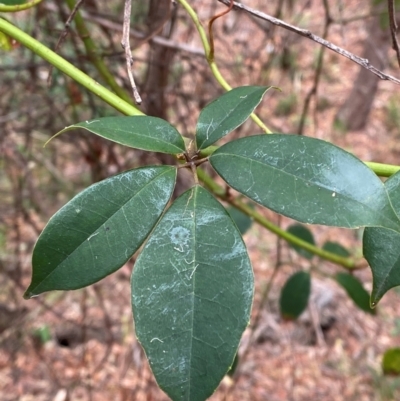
<point x="226" y="117"/>
<point x="76" y="248"/>
<point x="318" y="186"/>
<point x="133" y="134"/>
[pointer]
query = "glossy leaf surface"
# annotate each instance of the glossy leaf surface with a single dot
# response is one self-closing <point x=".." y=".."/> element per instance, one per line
<point x="99" y="229"/>
<point x="140" y="132"/>
<point x="307" y="179"/>
<point x="192" y="289"/>
<point x="306" y="235"/>
<point x="294" y="295"/>
<point x="226" y="113"/>
<point x="355" y="291"/>
<point x="381" y="248"/>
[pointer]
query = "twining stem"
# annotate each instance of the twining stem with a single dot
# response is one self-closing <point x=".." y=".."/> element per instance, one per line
<point x="383" y="170"/>
<point x="68" y="69"/>
<point x="210" y="30"/>
<point x="211" y="62"/>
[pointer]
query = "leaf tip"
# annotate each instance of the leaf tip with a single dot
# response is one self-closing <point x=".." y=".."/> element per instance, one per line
<point x="28" y="294"/>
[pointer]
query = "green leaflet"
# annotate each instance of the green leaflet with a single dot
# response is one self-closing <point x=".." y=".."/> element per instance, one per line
<point x="381" y="248"/>
<point x="192" y="290"/>
<point x="307" y="179"/>
<point x="391" y="362"/>
<point x="355" y="290"/>
<point x="226" y="113"/>
<point x="140" y="132"/>
<point x="294" y="295"/>
<point x="242" y="221"/>
<point x="336" y="248"/>
<point x="99" y="229"/>
<point x="305" y="234"/>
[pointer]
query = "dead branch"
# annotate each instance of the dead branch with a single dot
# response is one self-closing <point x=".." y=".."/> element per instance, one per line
<point x="127" y="47"/>
<point x="308" y="34"/>
<point x="64" y="34"/>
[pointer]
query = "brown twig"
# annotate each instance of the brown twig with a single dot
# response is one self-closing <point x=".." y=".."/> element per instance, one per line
<point x="308" y="34"/>
<point x="393" y="29"/>
<point x="210" y="31"/>
<point x="126" y="46"/>
<point x="314" y="89"/>
<point x="64" y="34"/>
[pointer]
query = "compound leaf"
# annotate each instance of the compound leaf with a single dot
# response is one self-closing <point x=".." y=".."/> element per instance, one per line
<point x="294" y="295"/>
<point x="99" y="229"/>
<point x="226" y="113"/>
<point x="355" y="291"/>
<point x="306" y="235"/>
<point x="140" y="132"/>
<point x="307" y="179"/>
<point x="192" y="289"/>
<point x="381" y="248"/>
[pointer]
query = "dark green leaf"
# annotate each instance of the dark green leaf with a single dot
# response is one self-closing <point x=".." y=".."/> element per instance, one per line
<point x="336" y="248"/>
<point x="391" y="361"/>
<point x="12" y="2"/>
<point x="192" y="289"/>
<point x="226" y="113"/>
<point x="306" y="235"/>
<point x="381" y="248"/>
<point x="382" y="251"/>
<point x="307" y="179"/>
<point x="99" y="229"/>
<point x="355" y="291"/>
<point x="140" y="132"/>
<point x="242" y="221"/>
<point x="294" y="295"/>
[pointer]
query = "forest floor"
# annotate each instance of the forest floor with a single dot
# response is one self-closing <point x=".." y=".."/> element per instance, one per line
<point x="81" y="345"/>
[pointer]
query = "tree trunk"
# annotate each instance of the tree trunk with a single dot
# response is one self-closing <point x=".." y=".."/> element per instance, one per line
<point x="353" y="114"/>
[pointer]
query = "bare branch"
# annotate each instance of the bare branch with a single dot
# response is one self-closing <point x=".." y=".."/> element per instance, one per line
<point x="64" y="34"/>
<point x="393" y="29"/>
<point x="308" y="34"/>
<point x="314" y="89"/>
<point x="126" y="46"/>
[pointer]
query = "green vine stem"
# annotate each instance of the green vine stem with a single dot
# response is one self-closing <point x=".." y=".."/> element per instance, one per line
<point x="67" y="68"/>
<point x="18" y="7"/>
<point x="93" y="55"/>
<point x="348" y="263"/>
<point x="213" y="66"/>
<point x="383" y="170"/>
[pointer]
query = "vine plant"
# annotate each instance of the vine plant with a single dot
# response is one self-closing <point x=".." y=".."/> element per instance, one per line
<point x="192" y="284"/>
